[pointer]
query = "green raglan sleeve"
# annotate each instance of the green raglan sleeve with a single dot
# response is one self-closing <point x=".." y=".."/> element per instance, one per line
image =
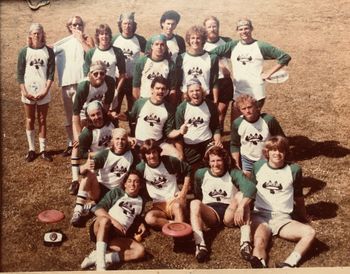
<point x="110" y="82"/>
<point x="214" y="71"/>
<point x="214" y="124"/>
<point x="198" y="181"/>
<point x="256" y="167"/>
<point x="179" y="70"/>
<point x="110" y="198"/>
<point x="21" y="65"/>
<point x="51" y="65"/>
<point x="115" y="38"/>
<point x="297" y="180"/>
<point x="180" y="115"/>
<point x="142" y="42"/>
<point x="181" y="44"/>
<point x="137" y="73"/>
<point x="246" y="186"/>
<point x="225" y="50"/>
<point x="80" y="97"/>
<point x="87" y="61"/>
<point x="100" y="158"/>
<point x="270" y="52"/>
<point x="226" y="39"/>
<point x="170" y="121"/>
<point x="274" y="126"/>
<point x="85" y="141"/>
<point x="235" y="143"/>
<point x="176" y="166"/>
<point x="148" y="46"/>
<point x="120" y="59"/>
<point x="136" y="108"/>
<point x="172" y="75"/>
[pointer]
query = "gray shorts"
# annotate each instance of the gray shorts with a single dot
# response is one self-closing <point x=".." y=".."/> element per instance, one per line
<point x="274" y="220"/>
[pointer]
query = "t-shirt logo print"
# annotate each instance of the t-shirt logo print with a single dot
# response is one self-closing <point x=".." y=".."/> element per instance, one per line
<point x="104" y="140"/>
<point x="244" y="59"/>
<point x="195" y="121"/>
<point x="127" y="208"/>
<point x="272" y="186"/>
<point x="195" y="72"/>
<point x="128" y="53"/>
<point x="218" y="194"/>
<point x="153" y="75"/>
<point x="37" y="63"/>
<point x="152" y="119"/>
<point x="255" y="139"/>
<point x="118" y="171"/>
<point x="159" y="182"/>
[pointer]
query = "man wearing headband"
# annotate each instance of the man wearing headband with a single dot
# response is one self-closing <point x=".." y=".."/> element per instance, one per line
<point x="155" y="63"/>
<point x="104" y="171"/>
<point x="132" y="46"/>
<point x="70" y="53"/>
<point x="175" y="43"/>
<point x="247" y="57"/>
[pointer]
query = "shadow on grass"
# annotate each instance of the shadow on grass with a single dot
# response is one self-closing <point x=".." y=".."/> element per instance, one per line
<point x="312" y="185"/>
<point x="322" y="210"/>
<point x="316" y="249"/>
<point x="302" y="148"/>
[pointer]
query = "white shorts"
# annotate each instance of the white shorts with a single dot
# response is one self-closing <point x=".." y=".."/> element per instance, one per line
<point x="274" y="220"/>
<point x="45" y="100"/>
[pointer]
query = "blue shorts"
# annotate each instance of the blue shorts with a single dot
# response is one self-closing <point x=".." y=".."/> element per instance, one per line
<point x="247" y="164"/>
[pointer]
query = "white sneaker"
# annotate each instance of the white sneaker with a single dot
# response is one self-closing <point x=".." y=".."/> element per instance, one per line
<point x="89" y="260"/>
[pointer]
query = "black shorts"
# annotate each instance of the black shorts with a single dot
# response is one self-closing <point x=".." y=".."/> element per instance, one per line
<point x="195" y="153"/>
<point x="225" y="86"/>
<point x="220" y="210"/>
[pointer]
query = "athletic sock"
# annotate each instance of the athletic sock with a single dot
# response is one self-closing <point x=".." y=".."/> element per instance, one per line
<point x="42" y="144"/>
<point x="75" y="168"/>
<point x="81" y="199"/>
<point x="245" y="234"/>
<point x="100" y="255"/>
<point x="112" y="257"/>
<point x="293" y="258"/>
<point x="198" y="237"/>
<point x="31" y="139"/>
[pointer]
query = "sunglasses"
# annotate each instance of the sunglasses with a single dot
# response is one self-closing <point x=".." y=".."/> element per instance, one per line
<point x="77" y="25"/>
<point x="98" y="73"/>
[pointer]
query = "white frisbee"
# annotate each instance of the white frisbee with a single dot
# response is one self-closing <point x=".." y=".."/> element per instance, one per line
<point x="279" y="76"/>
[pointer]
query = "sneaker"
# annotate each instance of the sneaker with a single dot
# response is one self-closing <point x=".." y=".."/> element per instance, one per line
<point x="255" y="262"/>
<point x="46" y="156"/>
<point x="73" y="188"/>
<point x="76" y="220"/>
<point x="202" y="253"/>
<point x="67" y="152"/>
<point x="89" y="260"/>
<point x="246" y="250"/>
<point x="284" y="265"/>
<point x="30" y="157"/>
<point x="88" y="208"/>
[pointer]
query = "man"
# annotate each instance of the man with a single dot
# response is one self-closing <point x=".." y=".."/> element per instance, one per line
<point x="175" y="43"/>
<point x="247" y="57"/>
<point x="155" y="118"/>
<point x="103" y="172"/>
<point x="70" y="53"/>
<point x="132" y="46"/>
<point x="225" y="85"/>
<point x="117" y="214"/>
<point x="156" y="63"/>
<point x="249" y="132"/>
<point x="279" y="187"/>
<point x="222" y="196"/>
<point x="94" y="137"/>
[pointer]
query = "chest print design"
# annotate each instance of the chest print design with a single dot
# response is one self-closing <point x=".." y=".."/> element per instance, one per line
<point x="128" y="53"/>
<point x="153" y="75"/>
<point x="255" y="139"/>
<point x="118" y="171"/>
<point x="159" y="182"/>
<point x="244" y="58"/>
<point x="105" y="140"/>
<point x="195" y="121"/>
<point x="272" y="186"/>
<point x="127" y="208"/>
<point x="98" y="97"/>
<point x="195" y="72"/>
<point x="37" y="63"/>
<point x="152" y="119"/>
<point x="218" y="194"/>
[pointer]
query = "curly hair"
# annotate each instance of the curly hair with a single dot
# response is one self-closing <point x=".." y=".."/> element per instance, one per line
<point x="220" y="152"/>
<point x="199" y="30"/>
<point x="148" y="146"/>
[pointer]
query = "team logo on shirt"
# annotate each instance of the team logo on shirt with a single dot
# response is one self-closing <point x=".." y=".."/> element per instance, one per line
<point x="272" y="186"/>
<point x="195" y="72"/>
<point x="128" y="53"/>
<point x="98" y="97"/>
<point x="107" y="64"/>
<point x="195" y="121"/>
<point x="254" y="139"/>
<point x="218" y="194"/>
<point x="244" y="59"/>
<point x="37" y="63"/>
<point x="127" y="208"/>
<point x="104" y="140"/>
<point x="118" y="171"/>
<point x="159" y="182"/>
<point x="153" y="75"/>
<point x="152" y="119"/>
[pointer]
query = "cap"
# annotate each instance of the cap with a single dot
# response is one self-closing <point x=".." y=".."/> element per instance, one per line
<point x="97" y="65"/>
<point x="158" y="37"/>
<point x="127" y="16"/>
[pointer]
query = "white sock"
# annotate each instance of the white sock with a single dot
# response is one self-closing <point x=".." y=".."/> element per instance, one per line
<point x="245" y="234"/>
<point x="112" y="257"/>
<point x="293" y="258"/>
<point x="81" y="199"/>
<point x="42" y="144"/>
<point x="198" y="237"/>
<point x="31" y="139"/>
<point x="262" y="261"/>
<point x="78" y="208"/>
<point x="75" y="168"/>
<point x="69" y="142"/>
<point x="100" y="255"/>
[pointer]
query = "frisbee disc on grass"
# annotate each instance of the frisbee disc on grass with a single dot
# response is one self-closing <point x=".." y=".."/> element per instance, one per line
<point x="50" y="216"/>
<point x="279" y="76"/>
<point x="177" y="229"/>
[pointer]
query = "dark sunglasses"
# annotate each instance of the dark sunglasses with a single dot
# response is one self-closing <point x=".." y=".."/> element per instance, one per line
<point x="98" y="73"/>
<point x="76" y="25"/>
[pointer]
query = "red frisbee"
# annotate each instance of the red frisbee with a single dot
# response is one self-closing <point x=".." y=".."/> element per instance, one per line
<point x="177" y="229"/>
<point x="50" y="216"/>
